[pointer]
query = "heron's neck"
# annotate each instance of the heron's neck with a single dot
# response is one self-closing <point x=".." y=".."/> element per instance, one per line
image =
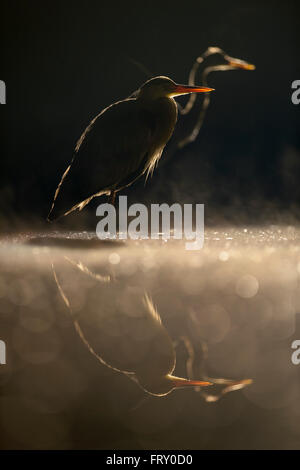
<point x="163" y="109"/>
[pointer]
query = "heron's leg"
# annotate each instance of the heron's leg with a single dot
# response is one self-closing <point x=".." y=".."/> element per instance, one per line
<point x="112" y="197"/>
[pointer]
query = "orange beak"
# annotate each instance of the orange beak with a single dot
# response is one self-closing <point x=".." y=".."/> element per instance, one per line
<point x="184" y="89"/>
<point x="240" y="64"/>
<point x="181" y="382"/>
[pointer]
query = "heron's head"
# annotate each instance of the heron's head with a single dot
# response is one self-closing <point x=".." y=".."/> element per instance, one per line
<point x="215" y="59"/>
<point x="164" y="87"/>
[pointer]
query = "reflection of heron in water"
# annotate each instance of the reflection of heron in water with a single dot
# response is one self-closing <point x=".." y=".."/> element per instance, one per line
<point x="125" y="332"/>
<point x="222" y="385"/>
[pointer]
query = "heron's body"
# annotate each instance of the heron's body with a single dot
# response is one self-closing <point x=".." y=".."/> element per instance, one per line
<point x="122" y="143"/>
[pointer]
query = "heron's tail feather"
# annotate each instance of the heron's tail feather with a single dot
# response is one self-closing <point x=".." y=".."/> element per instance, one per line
<point x="53" y="214"/>
<point x="56" y="214"/>
<point x="68" y="198"/>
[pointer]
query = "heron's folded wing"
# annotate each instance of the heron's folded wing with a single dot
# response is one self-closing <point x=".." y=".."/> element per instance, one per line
<point x="112" y="149"/>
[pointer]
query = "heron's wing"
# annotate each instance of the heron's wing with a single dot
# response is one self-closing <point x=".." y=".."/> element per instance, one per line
<point x="79" y="330"/>
<point x="143" y="345"/>
<point x="79" y="265"/>
<point x="111" y="152"/>
<point x="160" y="357"/>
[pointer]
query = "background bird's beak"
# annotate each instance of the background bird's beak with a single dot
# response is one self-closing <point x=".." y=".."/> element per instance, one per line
<point x="240" y="64"/>
<point x="184" y="89"/>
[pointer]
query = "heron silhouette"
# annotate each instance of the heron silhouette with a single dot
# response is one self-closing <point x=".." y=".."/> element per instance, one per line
<point x="122" y="143"/>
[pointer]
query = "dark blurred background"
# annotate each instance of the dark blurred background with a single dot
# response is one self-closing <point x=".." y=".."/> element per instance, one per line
<point x="64" y="61"/>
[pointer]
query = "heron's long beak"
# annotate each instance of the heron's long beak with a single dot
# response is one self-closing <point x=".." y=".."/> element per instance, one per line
<point x="240" y="64"/>
<point x="184" y="89"/>
<point x="181" y="382"/>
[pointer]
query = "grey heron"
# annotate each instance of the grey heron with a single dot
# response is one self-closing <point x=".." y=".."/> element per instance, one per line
<point x="122" y="143"/>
